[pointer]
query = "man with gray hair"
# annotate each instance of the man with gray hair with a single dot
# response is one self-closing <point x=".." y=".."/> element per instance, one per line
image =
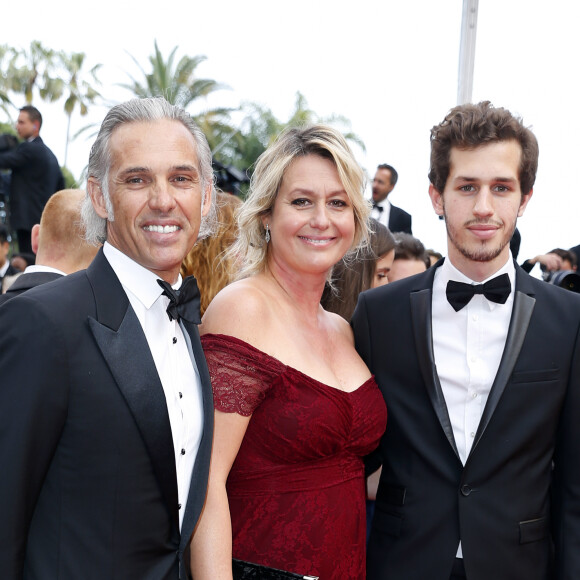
<point x="105" y="402"/>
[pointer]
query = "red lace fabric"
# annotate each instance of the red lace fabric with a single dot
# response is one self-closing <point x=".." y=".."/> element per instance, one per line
<point x="296" y="489"/>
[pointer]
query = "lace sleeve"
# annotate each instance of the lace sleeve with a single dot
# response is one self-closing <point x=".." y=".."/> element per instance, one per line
<point x="240" y="374"/>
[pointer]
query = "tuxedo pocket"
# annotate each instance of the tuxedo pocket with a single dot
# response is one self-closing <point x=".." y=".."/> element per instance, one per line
<point x="387" y="522"/>
<point x="538" y="376"/>
<point x="392" y="495"/>
<point x="533" y="530"/>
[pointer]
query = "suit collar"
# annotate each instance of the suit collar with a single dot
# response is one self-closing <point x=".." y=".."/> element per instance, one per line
<point x="110" y="298"/>
<point x="30" y="280"/>
<point x="421" y="298"/>
<point x="523" y="308"/>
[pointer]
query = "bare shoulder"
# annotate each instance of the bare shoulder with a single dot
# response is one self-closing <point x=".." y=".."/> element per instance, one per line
<point x="237" y="310"/>
<point x="340" y="326"/>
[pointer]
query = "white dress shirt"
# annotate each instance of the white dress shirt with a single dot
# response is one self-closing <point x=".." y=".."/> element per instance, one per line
<point x="45" y="269"/>
<point x="382" y="216"/>
<point x="468" y="346"/>
<point x="4" y="268"/>
<point x="176" y="369"/>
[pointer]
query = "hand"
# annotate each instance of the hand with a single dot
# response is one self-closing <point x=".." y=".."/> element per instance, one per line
<point x="551" y="262"/>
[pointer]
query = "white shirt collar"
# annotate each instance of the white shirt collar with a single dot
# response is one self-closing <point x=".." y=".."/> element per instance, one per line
<point x="138" y="280"/>
<point x="384" y="204"/>
<point x="40" y="268"/>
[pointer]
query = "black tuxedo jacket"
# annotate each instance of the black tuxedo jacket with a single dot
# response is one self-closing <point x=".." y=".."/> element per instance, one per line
<point x="36" y="175"/>
<point x="399" y="220"/>
<point x="88" y="487"/>
<point x="515" y="505"/>
<point x="26" y="282"/>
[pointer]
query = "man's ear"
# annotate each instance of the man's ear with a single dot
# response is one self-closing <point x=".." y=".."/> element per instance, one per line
<point x="206" y="206"/>
<point x="97" y="198"/>
<point x="436" y="200"/>
<point x="34" y="236"/>
<point x="525" y="199"/>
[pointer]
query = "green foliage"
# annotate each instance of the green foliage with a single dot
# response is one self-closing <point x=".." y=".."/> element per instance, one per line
<point x="8" y="128"/>
<point x="69" y="180"/>
<point x="177" y="83"/>
<point x="53" y="75"/>
<point x="259" y="128"/>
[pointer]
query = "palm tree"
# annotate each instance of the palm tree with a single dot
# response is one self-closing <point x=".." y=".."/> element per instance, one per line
<point x="176" y="82"/>
<point x="81" y="93"/>
<point x="37" y="72"/>
<point x="303" y="115"/>
<point x="259" y="128"/>
<point x="6" y="53"/>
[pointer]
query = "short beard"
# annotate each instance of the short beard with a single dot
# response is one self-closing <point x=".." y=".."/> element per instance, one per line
<point x="484" y="253"/>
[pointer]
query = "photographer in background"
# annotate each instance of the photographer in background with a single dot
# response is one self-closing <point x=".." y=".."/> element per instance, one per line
<point x="554" y="260"/>
<point x="558" y="268"/>
<point x="36" y="175"/>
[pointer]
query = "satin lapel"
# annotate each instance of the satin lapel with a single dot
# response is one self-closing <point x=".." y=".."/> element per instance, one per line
<point x="199" y="476"/>
<point x="122" y="342"/>
<point x="423" y="332"/>
<point x="522" y="311"/>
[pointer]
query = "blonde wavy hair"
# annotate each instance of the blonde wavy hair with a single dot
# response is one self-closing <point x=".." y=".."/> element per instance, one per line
<point x="250" y="248"/>
<point x="207" y="260"/>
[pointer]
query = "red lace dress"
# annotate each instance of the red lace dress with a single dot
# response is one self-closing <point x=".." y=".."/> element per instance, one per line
<point x="296" y="489"/>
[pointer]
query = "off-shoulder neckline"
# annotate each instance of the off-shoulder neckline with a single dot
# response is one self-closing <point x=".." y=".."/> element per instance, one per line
<point x="235" y="339"/>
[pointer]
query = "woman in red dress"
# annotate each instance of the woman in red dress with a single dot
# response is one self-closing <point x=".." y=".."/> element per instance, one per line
<point x="296" y="408"/>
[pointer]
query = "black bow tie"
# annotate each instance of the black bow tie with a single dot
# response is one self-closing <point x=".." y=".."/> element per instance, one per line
<point x="380" y="208"/>
<point x="183" y="303"/>
<point x="496" y="290"/>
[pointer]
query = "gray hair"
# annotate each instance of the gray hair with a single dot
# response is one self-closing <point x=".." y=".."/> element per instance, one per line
<point x="133" y="111"/>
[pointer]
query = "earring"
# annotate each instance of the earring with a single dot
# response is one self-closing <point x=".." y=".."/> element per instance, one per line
<point x="267" y="236"/>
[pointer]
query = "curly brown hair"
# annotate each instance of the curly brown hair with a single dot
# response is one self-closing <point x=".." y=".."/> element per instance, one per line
<point x="207" y="260"/>
<point x="470" y="126"/>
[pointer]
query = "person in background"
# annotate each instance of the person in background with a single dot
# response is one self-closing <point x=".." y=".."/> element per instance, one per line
<point x="6" y="269"/>
<point x="369" y="268"/>
<point x="396" y="219"/>
<point x="296" y="409"/>
<point x="58" y="242"/>
<point x="410" y="257"/>
<point x="22" y="260"/>
<point x="36" y="175"/>
<point x="576" y="250"/>
<point x="481" y="377"/>
<point x="207" y="260"/>
<point x="434" y="256"/>
<point x="554" y="260"/>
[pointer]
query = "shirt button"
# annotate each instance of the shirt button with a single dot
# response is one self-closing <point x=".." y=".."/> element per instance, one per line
<point x="181" y="395"/>
<point x="178" y="506"/>
<point x="474" y="395"/>
<point x="183" y="452"/>
<point x="472" y="434"/>
<point x="175" y="340"/>
<point x="474" y="318"/>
